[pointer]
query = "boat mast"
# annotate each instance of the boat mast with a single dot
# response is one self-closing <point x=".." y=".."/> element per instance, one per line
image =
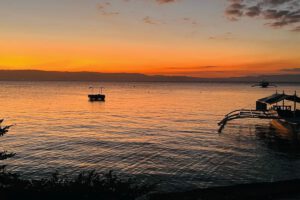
<point x="100" y="90"/>
<point x="92" y="88"/>
<point x="276" y="101"/>
<point x="283" y="102"/>
<point x="295" y="104"/>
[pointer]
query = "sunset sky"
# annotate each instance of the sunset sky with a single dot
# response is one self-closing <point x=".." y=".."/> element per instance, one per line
<point x="203" y="38"/>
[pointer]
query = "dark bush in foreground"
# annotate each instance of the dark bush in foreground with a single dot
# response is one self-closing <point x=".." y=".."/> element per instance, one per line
<point x="4" y="154"/>
<point x="87" y="185"/>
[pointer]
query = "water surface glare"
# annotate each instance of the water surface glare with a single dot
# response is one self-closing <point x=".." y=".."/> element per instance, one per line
<point x="166" y="132"/>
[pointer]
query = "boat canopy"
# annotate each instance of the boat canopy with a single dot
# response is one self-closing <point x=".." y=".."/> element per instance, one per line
<point x="275" y="98"/>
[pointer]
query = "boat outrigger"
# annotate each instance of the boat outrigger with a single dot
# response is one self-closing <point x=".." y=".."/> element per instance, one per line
<point x="96" y="97"/>
<point x="282" y="116"/>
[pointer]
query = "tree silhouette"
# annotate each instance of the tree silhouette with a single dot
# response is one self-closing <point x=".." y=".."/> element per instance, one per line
<point x="4" y="154"/>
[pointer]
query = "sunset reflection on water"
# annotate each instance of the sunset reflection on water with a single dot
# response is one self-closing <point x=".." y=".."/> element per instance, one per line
<point x="161" y="131"/>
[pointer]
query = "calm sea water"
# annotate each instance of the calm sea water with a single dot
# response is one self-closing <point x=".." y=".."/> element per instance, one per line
<point x="166" y="132"/>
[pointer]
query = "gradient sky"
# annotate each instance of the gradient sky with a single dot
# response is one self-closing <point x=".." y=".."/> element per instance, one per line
<point x="204" y="38"/>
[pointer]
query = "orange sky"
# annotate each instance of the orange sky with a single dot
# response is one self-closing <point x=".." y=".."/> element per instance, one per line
<point x="145" y="37"/>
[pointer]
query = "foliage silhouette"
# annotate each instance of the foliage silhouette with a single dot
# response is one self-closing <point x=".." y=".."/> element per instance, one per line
<point x="4" y="154"/>
<point x="86" y="185"/>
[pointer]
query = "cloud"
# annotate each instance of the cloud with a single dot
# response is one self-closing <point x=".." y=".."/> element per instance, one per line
<point x="149" y="20"/>
<point x="189" y="20"/>
<point x="159" y="1"/>
<point x="104" y="9"/>
<point x="165" y="1"/>
<point x="291" y="70"/>
<point x="253" y="11"/>
<point x="206" y="74"/>
<point x="226" y="36"/>
<point x="191" y="68"/>
<point x="234" y="10"/>
<point x="276" y="13"/>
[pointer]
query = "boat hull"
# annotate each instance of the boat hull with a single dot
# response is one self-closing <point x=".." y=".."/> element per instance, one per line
<point x="96" y="97"/>
<point x="286" y="126"/>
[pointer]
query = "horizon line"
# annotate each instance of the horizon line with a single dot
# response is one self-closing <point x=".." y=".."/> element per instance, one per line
<point x="146" y="74"/>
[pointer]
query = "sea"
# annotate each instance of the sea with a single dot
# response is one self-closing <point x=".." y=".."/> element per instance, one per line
<point x="165" y="133"/>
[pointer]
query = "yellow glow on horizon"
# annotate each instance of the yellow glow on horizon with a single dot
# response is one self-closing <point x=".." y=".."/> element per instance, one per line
<point x="209" y="59"/>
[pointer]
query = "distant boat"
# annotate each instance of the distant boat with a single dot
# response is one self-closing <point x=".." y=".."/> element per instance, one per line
<point x="96" y="96"/>
<point x="264" y="84"/>
<point x="283" y="116"/>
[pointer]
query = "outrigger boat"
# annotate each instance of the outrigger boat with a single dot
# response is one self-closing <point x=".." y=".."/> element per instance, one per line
<point x="96" y="97"/>
<point x="264" y="84"/>
<point x="283" y="116"/>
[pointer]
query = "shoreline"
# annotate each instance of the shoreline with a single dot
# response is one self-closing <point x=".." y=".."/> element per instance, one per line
<point x="287" y="190"/>
<point x="76" y="189"/>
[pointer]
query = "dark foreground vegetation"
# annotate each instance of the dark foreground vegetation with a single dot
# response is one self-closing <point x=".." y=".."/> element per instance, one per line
<point x="108" y="186"/>
<point x="89" y="185"/>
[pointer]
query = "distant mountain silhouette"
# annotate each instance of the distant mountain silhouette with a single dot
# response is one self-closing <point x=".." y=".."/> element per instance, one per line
<point x="37" y="75"/>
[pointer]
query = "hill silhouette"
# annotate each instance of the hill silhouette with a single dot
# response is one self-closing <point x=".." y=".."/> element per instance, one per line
<point x="37" y="75"/>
